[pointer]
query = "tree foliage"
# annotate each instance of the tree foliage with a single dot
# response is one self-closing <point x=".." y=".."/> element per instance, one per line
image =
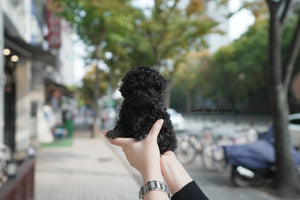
<point x="108" y="24"/>
<point x="166" y="32"/>
<point x="170" y="30"/>
<point x="91" y="18"/>
<point x="236" y="75"/>
<point x="240" y="69"/>
<point x="189" y="82"/>
<point x="98" y="23"/>
<point x="86" y="91"/>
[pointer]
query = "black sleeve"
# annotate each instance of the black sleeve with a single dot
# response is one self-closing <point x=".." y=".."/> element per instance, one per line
<point x="190" y="191"/>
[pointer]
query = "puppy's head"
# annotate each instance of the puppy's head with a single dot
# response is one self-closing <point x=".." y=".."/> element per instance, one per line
<point x="143" y="86"/>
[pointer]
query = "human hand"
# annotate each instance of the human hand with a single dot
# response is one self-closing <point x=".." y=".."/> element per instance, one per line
<point x="173" y="171"/>
<point x="143" y="155"/>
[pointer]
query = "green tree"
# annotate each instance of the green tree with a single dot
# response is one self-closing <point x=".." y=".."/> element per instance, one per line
<point x="237" y="72"/>
<point x="172" y="31"/>
<point x="86" y="90"/>
<point x="97" y="23"/>
<point x="234" y="74"/>
<point x="280" y="72"/>
<point x="188" y="81"/>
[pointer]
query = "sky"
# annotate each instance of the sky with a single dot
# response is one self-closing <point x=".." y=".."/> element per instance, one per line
<point x="79" y="65"/>
<point x="238" y="24"/>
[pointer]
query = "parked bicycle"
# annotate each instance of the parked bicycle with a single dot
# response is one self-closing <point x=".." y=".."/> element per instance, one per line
<point x="213" y="157"/>
<point x="190" y="146"/>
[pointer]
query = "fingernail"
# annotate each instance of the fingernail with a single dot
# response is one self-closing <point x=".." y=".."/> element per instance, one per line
<point x="160" y="122"/>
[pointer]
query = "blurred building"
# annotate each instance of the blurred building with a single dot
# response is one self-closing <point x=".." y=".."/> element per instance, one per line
<point x="66" y="55"/>
<point x="31" y="68"/>
<point x="2" y="76"/>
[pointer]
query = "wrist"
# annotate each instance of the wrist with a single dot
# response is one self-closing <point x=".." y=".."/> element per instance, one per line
<point x="151" y="186"/>
<point x="152" y="174"/>
<point x="174" y="173"/>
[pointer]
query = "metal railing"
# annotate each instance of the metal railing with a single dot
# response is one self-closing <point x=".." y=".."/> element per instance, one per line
<point x="22" y="186"/>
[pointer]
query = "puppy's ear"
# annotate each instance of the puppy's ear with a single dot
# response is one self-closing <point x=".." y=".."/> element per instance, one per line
<point x="123" y="91"/>
<point x="162" y="84"/>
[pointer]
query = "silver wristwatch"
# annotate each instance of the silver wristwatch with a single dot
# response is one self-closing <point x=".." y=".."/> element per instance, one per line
<point x="153" y="185"/>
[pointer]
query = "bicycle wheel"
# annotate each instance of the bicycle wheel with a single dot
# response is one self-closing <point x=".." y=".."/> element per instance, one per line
<point x="185" y="151"/>
<point x="196" y="143"/>
<point x="213" y="158"/>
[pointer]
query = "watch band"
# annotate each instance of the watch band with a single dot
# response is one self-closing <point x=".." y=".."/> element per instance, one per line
<point x="153" y="185"/>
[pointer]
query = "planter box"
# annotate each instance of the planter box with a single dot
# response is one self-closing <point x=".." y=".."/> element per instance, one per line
<point x="22" y="186"/>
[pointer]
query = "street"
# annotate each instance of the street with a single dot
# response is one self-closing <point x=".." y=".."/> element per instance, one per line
<point x="226" y="125"/>
<point x="218" y="185"/>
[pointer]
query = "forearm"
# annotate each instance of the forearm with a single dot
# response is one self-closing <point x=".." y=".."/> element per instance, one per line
<point x="174" y="173"/>
<point x="144" y="156"/>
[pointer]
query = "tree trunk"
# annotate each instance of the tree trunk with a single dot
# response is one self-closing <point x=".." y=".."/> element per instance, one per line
<point x="286" y="177"/>
<point x="96" y="95"/>
<point x="188" y="102"/>
<point x="168" y="91"/>
<point x="168" y="95"/>
<point x="286" y="174"/>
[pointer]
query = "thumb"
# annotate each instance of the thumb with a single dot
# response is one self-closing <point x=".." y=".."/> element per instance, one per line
<point x="156" y="129"/>
<point x="118" y="141"/>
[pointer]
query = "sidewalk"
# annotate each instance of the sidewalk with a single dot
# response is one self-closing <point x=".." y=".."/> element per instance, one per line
<point x="93" y="169"/>
<point x="88" y="170"/>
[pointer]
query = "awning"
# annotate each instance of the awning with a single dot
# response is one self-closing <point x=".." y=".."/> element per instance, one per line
<point x="52" y="87"/>
<point x="14" y="42"/>
<point x="28" y="51"/>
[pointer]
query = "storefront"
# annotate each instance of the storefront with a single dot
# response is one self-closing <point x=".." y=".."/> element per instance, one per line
<point x="19" y="61"/>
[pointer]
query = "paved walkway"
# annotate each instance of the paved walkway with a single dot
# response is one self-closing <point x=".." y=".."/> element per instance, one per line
<point x="92" y="169"/>
<point x="89" y="170"/>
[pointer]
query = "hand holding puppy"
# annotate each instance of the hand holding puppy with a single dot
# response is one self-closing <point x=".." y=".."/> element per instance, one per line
<point x="143" y="155"/>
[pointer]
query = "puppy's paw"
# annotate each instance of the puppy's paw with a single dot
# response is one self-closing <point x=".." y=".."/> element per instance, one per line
<point x="112" y="134"/>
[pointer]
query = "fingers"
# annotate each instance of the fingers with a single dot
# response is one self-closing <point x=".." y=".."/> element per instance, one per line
<point x="167" y="157"/>
<point x="169" y="153"/>
<point x="156" y="129"/>
<point x="126" y="141"/>
<point x="118" y="141"/>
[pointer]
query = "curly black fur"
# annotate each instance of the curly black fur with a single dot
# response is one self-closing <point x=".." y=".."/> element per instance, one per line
<point x="143" y="90"/>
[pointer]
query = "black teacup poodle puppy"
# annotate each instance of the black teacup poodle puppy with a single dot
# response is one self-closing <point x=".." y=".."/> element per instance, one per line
<point x="143" y="89"/>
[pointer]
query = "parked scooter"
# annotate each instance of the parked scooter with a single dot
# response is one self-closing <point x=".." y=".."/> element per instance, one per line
<point x="243" y="177"/>
<point x="253" y="164"/>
